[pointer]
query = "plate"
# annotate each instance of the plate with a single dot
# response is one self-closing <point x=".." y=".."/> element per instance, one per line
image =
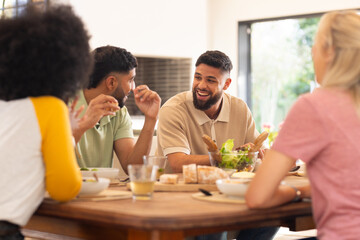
<point x="91" y="186"/>
<point x="101" y="172"/>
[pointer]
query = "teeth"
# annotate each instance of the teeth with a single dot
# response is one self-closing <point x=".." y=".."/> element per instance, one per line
<point x="202" y="94"/>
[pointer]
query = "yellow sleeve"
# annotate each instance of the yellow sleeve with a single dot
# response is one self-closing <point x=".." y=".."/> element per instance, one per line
<point x="62" y="174"/>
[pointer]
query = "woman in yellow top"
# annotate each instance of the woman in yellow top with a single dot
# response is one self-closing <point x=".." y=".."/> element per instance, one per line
<point x="44" y="60"/>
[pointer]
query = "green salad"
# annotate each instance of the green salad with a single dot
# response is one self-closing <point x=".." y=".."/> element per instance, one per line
<point x="235" y="159"/>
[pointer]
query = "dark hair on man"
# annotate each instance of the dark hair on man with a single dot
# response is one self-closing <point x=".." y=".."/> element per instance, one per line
<point x="215" y="59"/>
<point x="110" y="59"/>
<point x="43" y="53"/>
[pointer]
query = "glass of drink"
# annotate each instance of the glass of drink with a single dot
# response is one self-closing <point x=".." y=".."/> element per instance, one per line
<point x="157" y="161"/>
<point x="142" y="179"/>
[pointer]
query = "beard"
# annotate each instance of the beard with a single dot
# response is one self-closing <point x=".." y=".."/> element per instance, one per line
<point x="120" y="96"/>
<point x="201" y="105"/>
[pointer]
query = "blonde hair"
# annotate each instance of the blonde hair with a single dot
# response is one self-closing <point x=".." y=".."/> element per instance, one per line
<point x="341" y="32"/>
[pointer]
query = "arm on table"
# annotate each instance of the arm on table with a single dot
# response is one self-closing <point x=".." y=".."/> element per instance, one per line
<point x="265" y="190"/>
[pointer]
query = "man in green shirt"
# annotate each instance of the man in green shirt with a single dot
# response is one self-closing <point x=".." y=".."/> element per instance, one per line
<point x="105" y="124"/>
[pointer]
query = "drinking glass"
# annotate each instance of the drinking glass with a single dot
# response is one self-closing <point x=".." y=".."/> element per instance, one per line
<point x="159" y="161"/>
<point x="142" y="179"/>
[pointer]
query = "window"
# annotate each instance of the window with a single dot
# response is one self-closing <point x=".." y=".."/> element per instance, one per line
<point x="12" y="8"/>
<point x="166" y="76"/>
<point x="275" y="65"/>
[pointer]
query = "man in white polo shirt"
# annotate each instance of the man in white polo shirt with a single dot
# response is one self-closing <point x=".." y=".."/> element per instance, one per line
<point x="184" y="118"/>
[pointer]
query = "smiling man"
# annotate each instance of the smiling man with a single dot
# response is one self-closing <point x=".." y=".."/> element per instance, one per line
<point x="106" y="124"/>
<point x="184" y="118"/>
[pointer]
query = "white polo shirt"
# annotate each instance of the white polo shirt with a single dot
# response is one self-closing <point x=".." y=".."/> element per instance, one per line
<point x="181" y="125"/>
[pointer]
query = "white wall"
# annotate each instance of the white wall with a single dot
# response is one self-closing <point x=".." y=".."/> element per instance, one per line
<point x="176" y="28"/>
<point x="224" y="16"/>
<point x="185" y="28"/>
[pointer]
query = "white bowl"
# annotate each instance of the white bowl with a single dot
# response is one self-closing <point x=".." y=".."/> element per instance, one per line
<point x="101" y="172"/>
<point x="233" y="188"/>
<point x="91" y="186"/>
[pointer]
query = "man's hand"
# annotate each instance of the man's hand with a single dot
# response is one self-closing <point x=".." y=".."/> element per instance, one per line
<point x="147" y="101"/>
<point x="102" y="105"/>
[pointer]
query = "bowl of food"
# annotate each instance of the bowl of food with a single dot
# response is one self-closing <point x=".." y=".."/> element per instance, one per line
<point x="238" y="160"/>
<point x="241" y="159"/>
<point x="100" y="172"/>
<point x="91" y="186"/>
<point x="233" y="188"/>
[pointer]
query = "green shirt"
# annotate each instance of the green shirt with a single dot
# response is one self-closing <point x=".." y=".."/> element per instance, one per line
<point x="96" y="145"/>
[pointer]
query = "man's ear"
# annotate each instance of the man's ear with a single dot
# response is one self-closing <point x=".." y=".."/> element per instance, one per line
<point x="111" y="82"/>
<point x="227" y="83"/>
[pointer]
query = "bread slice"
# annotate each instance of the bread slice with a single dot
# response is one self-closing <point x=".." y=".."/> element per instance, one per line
<point x="190" y="173"/>
<point x="209" y="175"/>
<point x="169" y="178"/>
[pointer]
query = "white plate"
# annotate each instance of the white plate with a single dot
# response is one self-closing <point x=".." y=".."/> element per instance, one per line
<point x="93" y="187"/>
<point x="101" y="172"/>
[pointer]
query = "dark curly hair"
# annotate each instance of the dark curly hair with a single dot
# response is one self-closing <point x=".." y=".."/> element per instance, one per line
<point x="215" y="59"/>
<point x="43" y="53"/>
<point x="109" y="59"/>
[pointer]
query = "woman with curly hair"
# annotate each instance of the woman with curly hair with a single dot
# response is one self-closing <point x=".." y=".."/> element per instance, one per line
<point x="44" y="60"/>
<point x="322" y="129"/>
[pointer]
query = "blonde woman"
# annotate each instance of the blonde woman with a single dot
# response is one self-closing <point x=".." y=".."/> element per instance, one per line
<point x="322" y="129"/>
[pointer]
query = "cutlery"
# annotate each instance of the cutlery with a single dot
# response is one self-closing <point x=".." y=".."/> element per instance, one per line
<point x="96" y="177"/>
<point x="294" y="169"/>
<point x="124" y="180"/>
<point x="207" y="193"/>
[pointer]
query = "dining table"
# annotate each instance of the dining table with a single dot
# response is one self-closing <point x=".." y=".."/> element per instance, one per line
<point x="168" y="215"/>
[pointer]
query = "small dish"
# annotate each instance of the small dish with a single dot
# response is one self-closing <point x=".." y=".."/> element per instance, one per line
<point x="100" y="172"/>
<point x="233" y="188"/>
<point x="91" y="187"/>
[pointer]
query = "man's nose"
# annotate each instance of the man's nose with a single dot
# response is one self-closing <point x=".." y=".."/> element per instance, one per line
<point x="133" y="86"/>
<point x="202" y="84"/>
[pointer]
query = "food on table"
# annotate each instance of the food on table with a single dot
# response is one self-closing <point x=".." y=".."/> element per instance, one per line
<point x="245" y="175"/>
<point x="169" y="178"/>
<point x="259" y="141"/>
<point x="190" y="173"/>
<point x="202" y="174"/>
<point x="112" y="109"/>
<point x="209" y="175"/>
<point x="86" y="169"/>
<point x="212" y="147"/>
<point x="240" y="159"/>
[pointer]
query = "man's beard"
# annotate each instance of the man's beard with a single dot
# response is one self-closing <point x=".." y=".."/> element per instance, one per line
<point x="208" y="104"/>
<point x="120" y="96"/>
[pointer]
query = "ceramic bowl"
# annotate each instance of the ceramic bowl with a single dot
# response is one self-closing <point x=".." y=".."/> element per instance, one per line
<point x="233" y="188"/>
<point x="100" y="172"/>
<point x="236" y="160"/>
<point x="90" y="186"/>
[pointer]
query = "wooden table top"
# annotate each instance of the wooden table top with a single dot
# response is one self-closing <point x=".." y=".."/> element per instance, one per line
<point x="169" y="211"/>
